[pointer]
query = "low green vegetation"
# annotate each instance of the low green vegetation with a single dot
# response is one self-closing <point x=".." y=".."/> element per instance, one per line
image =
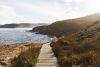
<point x="70" y="53"/>
<point x="27" y="58"/>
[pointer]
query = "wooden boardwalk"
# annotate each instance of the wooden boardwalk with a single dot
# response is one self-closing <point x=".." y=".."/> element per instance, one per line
<point x="46" y="57"/>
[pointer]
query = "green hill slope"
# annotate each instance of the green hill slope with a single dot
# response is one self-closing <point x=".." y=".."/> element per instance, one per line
<point x="81" y="48"/>
<point x="66" y="27"/>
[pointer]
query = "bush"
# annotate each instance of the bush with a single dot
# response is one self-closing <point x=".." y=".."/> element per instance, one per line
<point x="83" y="54"/>
<point x="27" y="58"/>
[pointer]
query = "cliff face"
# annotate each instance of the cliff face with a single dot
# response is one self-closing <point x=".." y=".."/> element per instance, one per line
<point x="66" y="27"/>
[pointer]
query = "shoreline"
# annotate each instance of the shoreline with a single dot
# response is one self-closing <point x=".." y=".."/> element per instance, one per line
<point x="20" y="43"/>
<point x="17" y="35"/>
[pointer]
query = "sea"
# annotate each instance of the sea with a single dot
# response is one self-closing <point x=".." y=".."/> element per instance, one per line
<point x="21" y="35"/>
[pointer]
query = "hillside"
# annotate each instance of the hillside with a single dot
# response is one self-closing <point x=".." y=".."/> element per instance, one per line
<point x="66" y="27"/>
<point x="81" y="49"/>
<point x="22" y="25"/>
<point x="58" y="28"/>
<point x="90" y="32"/>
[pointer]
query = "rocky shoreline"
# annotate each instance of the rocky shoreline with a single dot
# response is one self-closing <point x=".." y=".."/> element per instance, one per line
<point x="9" y="52"/>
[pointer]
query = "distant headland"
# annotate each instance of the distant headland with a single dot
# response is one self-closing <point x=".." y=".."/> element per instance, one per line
<point x="22" y="25"/>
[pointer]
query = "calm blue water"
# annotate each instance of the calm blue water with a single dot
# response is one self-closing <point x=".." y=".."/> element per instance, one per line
<point x="20" y="35"/>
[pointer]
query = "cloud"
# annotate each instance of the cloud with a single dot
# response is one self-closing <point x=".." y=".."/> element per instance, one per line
<point x="21" y="11"/>
<point x="7" y="12"/>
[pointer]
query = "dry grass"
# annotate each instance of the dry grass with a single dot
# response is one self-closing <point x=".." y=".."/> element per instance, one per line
<point x="27" y="58"/>
<point x="82" y="54"/>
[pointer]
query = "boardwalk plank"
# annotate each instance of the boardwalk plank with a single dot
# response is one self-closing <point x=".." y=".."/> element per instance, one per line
<point x="47" y="57"/>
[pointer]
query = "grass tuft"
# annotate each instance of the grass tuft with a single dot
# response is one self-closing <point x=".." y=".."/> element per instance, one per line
<point x="27" y="58"/>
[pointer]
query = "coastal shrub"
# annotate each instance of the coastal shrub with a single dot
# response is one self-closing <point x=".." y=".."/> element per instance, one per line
<point x="79" y="54"/>
<point x="27" y="58"/>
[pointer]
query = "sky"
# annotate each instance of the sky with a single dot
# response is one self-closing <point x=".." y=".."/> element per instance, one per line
<point x="45" y="11"/>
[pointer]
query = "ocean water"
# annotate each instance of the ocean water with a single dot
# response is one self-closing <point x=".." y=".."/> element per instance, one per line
<point x="21" y="35"/>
